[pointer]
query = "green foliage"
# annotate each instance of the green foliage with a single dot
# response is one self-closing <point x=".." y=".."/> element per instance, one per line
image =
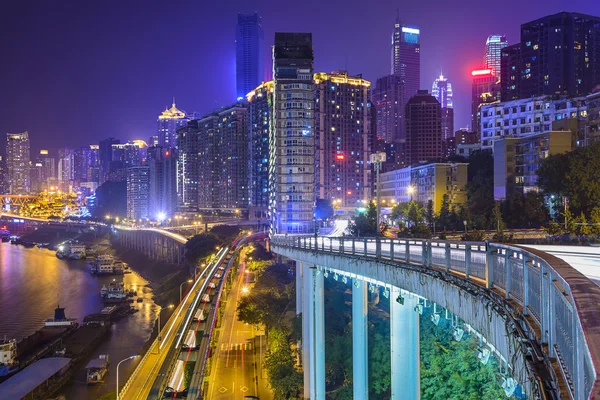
<point x="280" y="365"/>
<point x="525" y="211"/>
<point x="323" y="209"/>
<point x="200" y="246"/>
<point x="473" y="236"/>
<point x="412" y="212"/>
<point x="429" y="214"/>
<point x="480" y="189"/>
<point x="225" y="233"/>
<point x="260" y="253"/>
<point x="365" y="224"/>
<point x="497" y="216"/>
<point x="444" y="220"/>
<point x="188" y="372"/>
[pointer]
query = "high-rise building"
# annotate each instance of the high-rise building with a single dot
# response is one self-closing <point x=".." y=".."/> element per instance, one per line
<point x="188" y="167"/>
<point x="93" y="163"/>
<point x="44" y="172"/>
<point x="493" y="53"/>
<point x="406" y="57"/>
<point x="249" y="53"/>
<point x="510" y="72"/>
<point x="105" y="156"/>
<point x="343" y="138"/>
<point x="442" y="91"/>
<point x="138" y="192"/>
<point x="17" y="162"/>
<point x="485" y="90"/>
<point x="558" y="54"/>
<point x="389" y="102"/>
<point x="153" y="141"/>
<point x="66" y="168"/>
<point x="292" y="142"/>
<point x="423" y="129"/>
<point x="168" y="122"/>
<point x="162" y="177"/>
<point x="130" y="154"/>
<point x="3" y="179"/>
<point x="260" y="102"/>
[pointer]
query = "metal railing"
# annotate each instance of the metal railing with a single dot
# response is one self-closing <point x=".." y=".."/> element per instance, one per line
<point x="523" y="276"/>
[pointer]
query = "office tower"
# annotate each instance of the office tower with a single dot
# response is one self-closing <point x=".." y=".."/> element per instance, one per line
<point x="162" y="165"/>
<point x="493" y="53"/>
<point x="423" y="128"/>
<point x="17" y="162"/>
<point x="249" y="55"/>
<point x="138" y="191"/>
<point x="223" y="159"/>
<point x="153" y="141"/>
<point x="389" y="102"/>
<point x="3" y="178"/>
<point x="188" y="167"/>
<point x="559" y="54"/>
<point x="485" y="89"/>
<point x="510" y="72"/>
<point x="44" y="172"/>
<point x="406" y="57"/>
<point x="168" y="122"/>
<point x="93" y="163"/>
<point x="442" y="91"/>
<point x="343" y="138"/>
<point x="105" y="156"/>
<point x="130" y="154"/>
<point x="66" y="168"/>
<point x="260" y="101"/>
<point x="292" y="143"/>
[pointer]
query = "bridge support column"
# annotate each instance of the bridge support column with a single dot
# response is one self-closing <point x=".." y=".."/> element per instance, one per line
<point x="304" y="287"/>
<point x="317" y="335"/>
<point x="404" y="348"/>
<point x="360" y="334"/>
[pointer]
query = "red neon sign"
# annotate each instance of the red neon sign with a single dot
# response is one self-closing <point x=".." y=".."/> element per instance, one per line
<point x="479" y="72"/>
<point x="339" y="157"/>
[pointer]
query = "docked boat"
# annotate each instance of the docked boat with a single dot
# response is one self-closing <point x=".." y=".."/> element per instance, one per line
<point x="119" y="267"/>
<point x="97" y="369"/>
<point x="103" y="265"/>
<point x="8" y="357"/>
<point x="114" y="293"/>
<point x="76" y="251"/>
<point x="60" y="319"/>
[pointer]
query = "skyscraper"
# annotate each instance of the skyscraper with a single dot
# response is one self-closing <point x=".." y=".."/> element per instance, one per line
<point x="292" y="142"/>
<point x="17" y="162"/>
<point x="442" y="91"/>
<point x="389" y="102"/>
<point x="44" y="172"/>
<point x="493" y="53"/>
<point x="105" y="156"/>
<point x="406" y="57"/>
<point x="168" y="122"/>
<point x="510" y="72"/>
<point x="188" y="167"/>
<point x="423" y="129"/>
<point x="558" y="54"/>
<point x="249" y="53"/>
<point x="138" y="192"/>
<point x="260" y="101"/>
<point x="343" y="138"/>
<point x="485" y="90"/>
<point x="162" y="165"/>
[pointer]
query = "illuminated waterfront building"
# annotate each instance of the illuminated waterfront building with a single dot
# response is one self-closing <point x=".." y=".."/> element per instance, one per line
<point x="260" y="101"/>
<point x="442" y="91"/>
<point x="249" y="53"/>
<point x="292" y="142"/>
<point x="493" y="53"/>
<point x="43" y="172"/>
<point x="162" y="164"/>
<point x="343" y="138"/>
<point x="17" y="162"/>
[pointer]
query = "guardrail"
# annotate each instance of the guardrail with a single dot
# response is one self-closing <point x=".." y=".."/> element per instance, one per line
<point x="562" y="303"/>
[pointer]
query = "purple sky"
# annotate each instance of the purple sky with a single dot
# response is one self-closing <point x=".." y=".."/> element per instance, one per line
<point x="74" y="72"/>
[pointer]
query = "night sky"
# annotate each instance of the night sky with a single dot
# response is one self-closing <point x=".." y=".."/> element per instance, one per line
<point x="75" y="72"/>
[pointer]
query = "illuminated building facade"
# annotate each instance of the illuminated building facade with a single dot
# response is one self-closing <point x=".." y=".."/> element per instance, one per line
<point x="343" y="138"/>
<point x="138" y="192"/>
<point x="260" y="103"/>
<point x="162" y="170"/>
<point x="442" y="91"/>
<point x="558" y="54"/>
<point x="485" y="89"/>
<point x="249" y="53"/>
<point x="129" y="154"/>
<point x="292" y="142"/>
<point x="188" y="168"/>
<point x="423" y="129"/>
<point x="389" y="102"/>
<point x="44" y="172"/>
<point x="66" y="168"/>
<point x="17" y="162"/>
<point x="510" y="72"/>
<point x="493" y="53"/>
<point x="105" y="156"/>
<point x="406" y="57"/>
<point x="168" y="122"/>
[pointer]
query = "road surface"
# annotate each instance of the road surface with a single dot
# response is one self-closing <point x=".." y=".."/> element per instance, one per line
<point x="585" y="259"/>
<point x="237" y="364"/>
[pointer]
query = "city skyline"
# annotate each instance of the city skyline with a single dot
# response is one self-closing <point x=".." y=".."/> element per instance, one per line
<point x="112" y="78"/>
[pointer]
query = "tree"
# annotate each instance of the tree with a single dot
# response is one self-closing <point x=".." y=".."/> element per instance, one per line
<point x="414" y="213"/>
<point x="429" y="214"/>
<point x="323" y="209"/>
<point x="365" y="224"/>
<point x="480" y="188"/>
<point x="497" y="216"/>
<point x="445" y="218"/>
<point x="200" y="246"/>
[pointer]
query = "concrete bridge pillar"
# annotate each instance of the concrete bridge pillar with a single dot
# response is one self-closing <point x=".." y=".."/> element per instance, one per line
<point x="360" y="334"/>
<point x="317" y="334"/>
<point x="303" y="287"/>
<point x="404" y="346"/>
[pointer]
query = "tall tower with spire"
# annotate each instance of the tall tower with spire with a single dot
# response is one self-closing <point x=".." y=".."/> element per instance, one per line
<point x="168" y="122"/>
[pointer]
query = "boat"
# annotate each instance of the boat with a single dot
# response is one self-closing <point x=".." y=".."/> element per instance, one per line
<point x="76" y="251"/>
<point x="119" y="267"/>
<point x="114" y="293"/>
<point x="60" y="320"/>
<point x="108" y="310"/>
<point x="8" y="357"/>
<point x="103" y="265"/>
<point x="97" y="369"/>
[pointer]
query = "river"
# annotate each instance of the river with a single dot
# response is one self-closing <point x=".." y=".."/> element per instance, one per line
<point x="33" y="281"/>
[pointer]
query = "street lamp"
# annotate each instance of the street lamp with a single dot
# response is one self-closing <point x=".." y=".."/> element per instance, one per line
<point x="465" y="223"/>
<point x="181" y="287"/>
<point x="128" y="358"/>
<point x="161" y="310"/>
<point x="377" y="159"/>
<point x="410" y="189"/>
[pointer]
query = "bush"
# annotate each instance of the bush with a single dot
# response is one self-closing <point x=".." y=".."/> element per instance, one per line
<point x="501" y="237"/>
<point x="473" y="236"/>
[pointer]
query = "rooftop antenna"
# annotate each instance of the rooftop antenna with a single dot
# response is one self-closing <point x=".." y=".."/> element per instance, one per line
<point x="173" y="101"/>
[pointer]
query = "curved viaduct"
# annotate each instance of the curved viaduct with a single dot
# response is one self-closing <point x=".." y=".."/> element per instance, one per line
<point x="535" y="313"/>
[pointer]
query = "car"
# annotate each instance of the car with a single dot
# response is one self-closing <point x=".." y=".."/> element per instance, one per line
<point x="212" y="285"/>
<point x="217" y="276"/>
